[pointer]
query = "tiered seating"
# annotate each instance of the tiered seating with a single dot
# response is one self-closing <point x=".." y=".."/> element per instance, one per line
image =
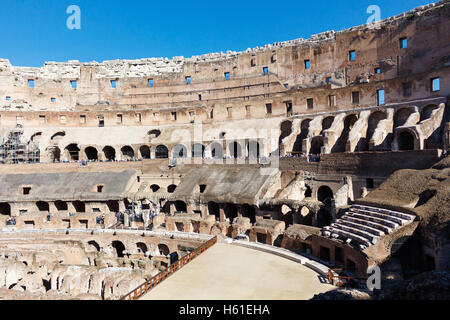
<point x="365" y="224"/>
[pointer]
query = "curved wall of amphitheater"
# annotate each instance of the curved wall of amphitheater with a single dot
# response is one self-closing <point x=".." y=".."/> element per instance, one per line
<point x="272" y="144"/>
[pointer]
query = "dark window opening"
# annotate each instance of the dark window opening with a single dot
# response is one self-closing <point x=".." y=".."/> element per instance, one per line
<point x="352" y="55"/>
<point x="307" y="64"/>
<point x="268" y="108"/>
<point x="310" y="103"/>
<point x="369" y="183"/>
<point x="355" y="97"/>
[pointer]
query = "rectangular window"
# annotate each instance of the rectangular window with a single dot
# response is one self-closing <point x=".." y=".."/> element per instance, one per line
<point x="62" y="119"/>
<point x="150" y="82"/>
<point x="355" y="97"/>
<point x="53" y="99"/>
<point x="268" y="108"/>
<point x="82" y="119"/>
<point x="247" y="110"/>
<point x="310" y="103"/>
<point x="332" y="101"/>
<point x="252" y="63"/>
<point x="403" y="43"/>
<point x="200" y="97"/>
<point x="26" y="190"/>
<point x="8" y="98"/>
<point x="227" y="76"/>
<point x="119" y="118"/>
<point x="114" y="84"/>
<point x="407" y="89"/>
<point x="288" y="108"/>
<point x="188" y="80"/>
<point x="211" y="114"/>
<point x="174" y="115"/>
<point x="30" y="83"/>
<point x="41" y="119"/>
<point x="191" y="116"/>
<point x="138" y="117"/>
<point x="73" y="83"/>
<point x="352" y="55"/>
<point x="307" y="64"/>
<point x="155" y="115"/>
<point x="377" y="70"/>
<point x="435" y="84"/>
<point x="380" y="97"/>
<point x="369" y="183"/>
<point x="273" y="58"/>
<point x="101" y="121"/>
<point x="229" y="111"/>
<point x="266" y="70"/>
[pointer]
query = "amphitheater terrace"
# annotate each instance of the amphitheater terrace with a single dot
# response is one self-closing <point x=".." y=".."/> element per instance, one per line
<point x="318" y="158"/>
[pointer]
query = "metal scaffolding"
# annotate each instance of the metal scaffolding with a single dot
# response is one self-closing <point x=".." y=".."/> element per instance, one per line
<point x="13" y="150"/>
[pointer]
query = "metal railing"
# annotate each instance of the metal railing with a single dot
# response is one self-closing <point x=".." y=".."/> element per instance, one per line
<point x="154" y="281"/>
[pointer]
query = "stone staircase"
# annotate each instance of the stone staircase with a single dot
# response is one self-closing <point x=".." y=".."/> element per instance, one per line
<point x="364" y="225"/>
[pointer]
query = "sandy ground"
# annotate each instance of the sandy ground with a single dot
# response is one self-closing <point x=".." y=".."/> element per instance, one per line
<point x="228" y="272"/>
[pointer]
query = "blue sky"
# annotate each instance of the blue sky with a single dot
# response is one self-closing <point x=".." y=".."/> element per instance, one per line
<point x="34" y="31"/>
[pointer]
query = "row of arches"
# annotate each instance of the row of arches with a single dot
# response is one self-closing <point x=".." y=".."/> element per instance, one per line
<point x="44" y="206"/>
<point x="401" y="115"/>
<point x="72" y="152"/>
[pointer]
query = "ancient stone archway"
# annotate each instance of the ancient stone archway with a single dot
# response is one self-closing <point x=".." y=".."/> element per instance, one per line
<point x="161" y="152"/>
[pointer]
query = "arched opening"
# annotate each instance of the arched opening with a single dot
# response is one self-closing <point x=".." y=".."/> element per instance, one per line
<point x="253" y="149"/>
<point x="171" y="188"/>
<point x="349" y="121"/>
<point x="127" y="152"/>
<point x="113" y="205"/>
<point x="180" y="206"/>
<point x="235" y="149"/>
<point x="198" y="150"/>
<point x="79" y="206"/>
<point x="323" y="218"/>
<point x="405" y="141"/>
<point x="119" y="247"/>
<point x="93" y="244"/>
<point x="5" y="208"/>
<point x="110" y="153"/>
<point x="163" y="249"/>
<point x="179" y="151"/>
<point x="316" y="145"/>
<point x="214" y="209"/>
<point x="141" y="247"/>
<point x="145" y="152"/>
<point x="230" y="211"/>
<point x="57" y="137"/>
<point x="373" y="122"/>
<point x="91" y="153"/>
<point x="74" y="152"/>
<point x="43" y="206"/>
<point x="216" y="150"/>
<point x="325" y="195"/>
<point x="326" y="123"/>
<point x="285" y="130"/>
<point x="61" y="205"/>
<point x="249" y="211"/>
<point x="304" y="130"/>
<point x="154" y="187"/>
<point x="53" y="153"/>
<point x="161" y="152"/>
<point x="153" y="133"/>
<point x="427" y="111"/>
<point x="308" y="192"/>
<point x="401" y="116"/>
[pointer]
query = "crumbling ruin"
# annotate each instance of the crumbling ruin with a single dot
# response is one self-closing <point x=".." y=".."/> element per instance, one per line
<point x="306" y="145"/>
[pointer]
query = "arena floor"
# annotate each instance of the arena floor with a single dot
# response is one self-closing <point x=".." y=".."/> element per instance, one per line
<point x="230" y="272"/>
